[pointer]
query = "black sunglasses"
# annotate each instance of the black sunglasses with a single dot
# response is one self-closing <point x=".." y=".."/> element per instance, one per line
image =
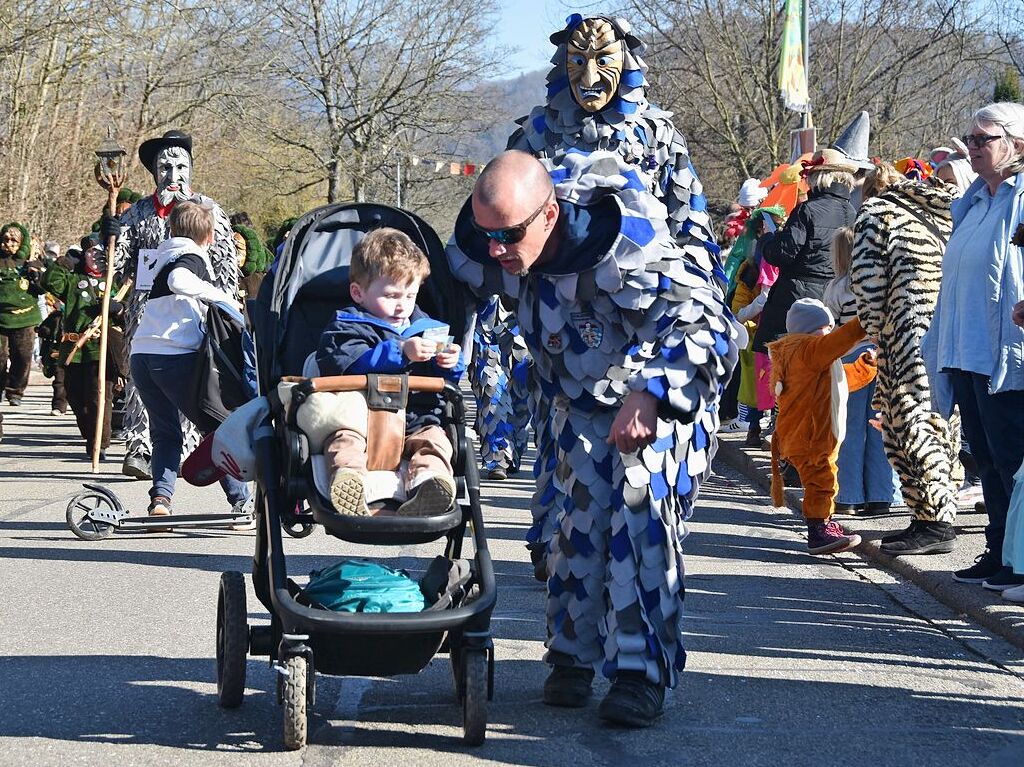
<point x="978" y="141"/>
<point x="510" y="235"/>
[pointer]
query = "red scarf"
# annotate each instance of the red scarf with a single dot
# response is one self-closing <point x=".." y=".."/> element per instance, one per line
<point x="163" y="211"/>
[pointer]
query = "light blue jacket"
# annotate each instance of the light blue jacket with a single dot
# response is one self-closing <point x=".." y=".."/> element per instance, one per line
<point x="1006" y="288"/>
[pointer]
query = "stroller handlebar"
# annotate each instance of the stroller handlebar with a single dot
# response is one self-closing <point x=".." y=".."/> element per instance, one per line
<point x="359" y="383"/>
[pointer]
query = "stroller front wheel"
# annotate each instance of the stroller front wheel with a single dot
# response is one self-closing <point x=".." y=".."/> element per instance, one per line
<point x="298" y="529"/>
<point x="474" y="698"/>
<point x="294" y="696"/>
<point x="232" y="640"/>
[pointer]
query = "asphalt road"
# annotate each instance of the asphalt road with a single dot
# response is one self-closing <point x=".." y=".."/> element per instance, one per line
<point x="106" y="648"/>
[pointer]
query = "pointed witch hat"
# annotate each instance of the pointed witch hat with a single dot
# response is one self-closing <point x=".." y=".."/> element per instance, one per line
<point x="853" y="141"/>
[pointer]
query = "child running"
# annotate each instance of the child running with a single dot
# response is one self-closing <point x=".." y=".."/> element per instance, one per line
<point x="811" y="389"/>
<point x="383" y="333"/>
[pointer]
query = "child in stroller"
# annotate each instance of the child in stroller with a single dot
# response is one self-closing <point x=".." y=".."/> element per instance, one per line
<point x="385" y="332"/>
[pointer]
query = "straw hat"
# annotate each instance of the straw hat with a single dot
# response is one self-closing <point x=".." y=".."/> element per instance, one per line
<point x="830" y="160"/>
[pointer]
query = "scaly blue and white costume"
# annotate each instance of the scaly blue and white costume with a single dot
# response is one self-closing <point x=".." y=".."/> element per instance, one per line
<point x="621" y="307"/>
<point x="500" y="383"/>
<point x="648" y="142"/>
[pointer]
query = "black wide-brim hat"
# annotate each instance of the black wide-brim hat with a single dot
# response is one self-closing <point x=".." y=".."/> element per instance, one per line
<point x="149" y="149"/>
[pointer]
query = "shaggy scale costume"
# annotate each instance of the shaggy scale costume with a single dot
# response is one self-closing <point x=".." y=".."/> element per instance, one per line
<point x="895" y="271"/>
<point x="500" y="383"/>
<point x="647" y="142"/>
<point x="643" y="314"/>
<point x="142" y="228"/>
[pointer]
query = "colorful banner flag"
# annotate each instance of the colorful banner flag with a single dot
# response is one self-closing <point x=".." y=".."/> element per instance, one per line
<point x="792" y="73"/>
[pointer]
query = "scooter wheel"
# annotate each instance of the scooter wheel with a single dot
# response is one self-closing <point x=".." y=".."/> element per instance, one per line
<point x="78" y="516"/>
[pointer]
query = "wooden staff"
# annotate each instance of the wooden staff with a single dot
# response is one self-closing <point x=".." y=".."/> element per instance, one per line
<point x="110" y="175"/>
<point x="94" y="327"/>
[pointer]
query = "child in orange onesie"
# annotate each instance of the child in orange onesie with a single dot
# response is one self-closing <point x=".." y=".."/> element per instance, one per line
<point x="811" y="387"/>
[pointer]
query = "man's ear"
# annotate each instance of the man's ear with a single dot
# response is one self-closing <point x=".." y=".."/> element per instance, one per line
<point x="355" y="291"/>
<point x="551" y="214"/>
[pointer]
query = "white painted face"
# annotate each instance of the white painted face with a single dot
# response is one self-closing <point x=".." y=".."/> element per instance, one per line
<point x="172" y="171"/>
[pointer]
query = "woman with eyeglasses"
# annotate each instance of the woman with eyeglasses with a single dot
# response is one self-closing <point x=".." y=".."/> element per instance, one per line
<point x="973" y="346"/>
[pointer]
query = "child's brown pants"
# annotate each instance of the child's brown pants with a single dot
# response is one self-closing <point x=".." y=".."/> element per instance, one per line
<point x="427" y="449"/>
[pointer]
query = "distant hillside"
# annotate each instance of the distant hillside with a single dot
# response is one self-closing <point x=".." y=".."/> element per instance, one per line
<point x="512" y="99"/>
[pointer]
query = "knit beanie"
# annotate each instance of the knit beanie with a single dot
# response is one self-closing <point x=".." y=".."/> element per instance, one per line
<point x="751" y="193"/>
<point x="808" y="315"/>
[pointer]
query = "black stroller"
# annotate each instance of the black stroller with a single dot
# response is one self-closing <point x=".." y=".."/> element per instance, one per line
<point x="310" y="281"/>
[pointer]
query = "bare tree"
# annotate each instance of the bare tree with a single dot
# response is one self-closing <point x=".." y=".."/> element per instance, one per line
<point x="365" y="82"/>
<point x="715" y="63"/>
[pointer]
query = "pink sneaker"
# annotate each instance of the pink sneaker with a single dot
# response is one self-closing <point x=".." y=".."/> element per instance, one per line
<point x="829" y="537"/>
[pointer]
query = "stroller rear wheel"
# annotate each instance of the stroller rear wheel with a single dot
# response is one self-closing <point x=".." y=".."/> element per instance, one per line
<point x="232" y="640"/>
<point x="294" y="696"/>
<point x="474" y="697"/>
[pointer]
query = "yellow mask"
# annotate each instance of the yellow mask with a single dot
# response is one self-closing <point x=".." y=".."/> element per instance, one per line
<point x="241" y="247"/>
<point x="594" y="59"/>
<point x="10" y="242"/>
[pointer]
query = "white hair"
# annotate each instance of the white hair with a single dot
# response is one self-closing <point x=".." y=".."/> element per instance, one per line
<point x="1010" y="117"/>
<point x="823" y="179"/>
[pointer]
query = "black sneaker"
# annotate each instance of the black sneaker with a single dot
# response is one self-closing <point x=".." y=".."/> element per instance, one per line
<point x="633" y="700"/>
<point x="753" y="438"/>
<point x="497" y="473"/>
<point x="985" y="566"/>
<point x="568" y="686"/>
<point x="539" y="560"/>
<point x="921" y="537"/>
<point x="849" y="508"/>
<point x="136" y="466"/>
<point x="790" y="475"/>
<point x="1005" y="579"/>
<point x="875" y="509"/>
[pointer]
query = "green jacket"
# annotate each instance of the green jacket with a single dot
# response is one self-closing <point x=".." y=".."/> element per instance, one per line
<point x="83" y="298"/>
<point x="19" y="301"/>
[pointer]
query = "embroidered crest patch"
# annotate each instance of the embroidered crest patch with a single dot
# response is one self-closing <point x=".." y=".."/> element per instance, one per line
<point x="591" y="331"/>
<point x="554" y="342"/>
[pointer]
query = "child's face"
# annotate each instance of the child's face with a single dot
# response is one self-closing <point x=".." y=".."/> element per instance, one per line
<point x="387" y="299"/>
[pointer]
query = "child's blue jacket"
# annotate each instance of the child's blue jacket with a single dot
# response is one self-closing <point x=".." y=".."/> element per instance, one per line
<point x="356" y="343"/>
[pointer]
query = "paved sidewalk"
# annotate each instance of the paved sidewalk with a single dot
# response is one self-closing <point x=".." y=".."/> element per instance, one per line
<point x="931" y="572"/>
<point x="107" y="650"/>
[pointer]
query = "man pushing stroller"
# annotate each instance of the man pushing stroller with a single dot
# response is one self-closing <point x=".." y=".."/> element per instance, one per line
<point x="384" y="332"/>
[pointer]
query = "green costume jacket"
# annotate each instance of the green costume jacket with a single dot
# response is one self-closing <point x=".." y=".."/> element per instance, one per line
<point x="19" y="303"/>
<point x="83" y="298"/>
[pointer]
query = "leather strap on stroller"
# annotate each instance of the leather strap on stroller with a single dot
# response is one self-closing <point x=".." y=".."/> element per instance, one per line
<point x="386" y="398"/>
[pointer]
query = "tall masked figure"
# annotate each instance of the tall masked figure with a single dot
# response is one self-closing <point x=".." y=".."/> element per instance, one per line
<point x="140" y="231"/>
<point x="632" y="345"/>
<point x="597" y="101"/>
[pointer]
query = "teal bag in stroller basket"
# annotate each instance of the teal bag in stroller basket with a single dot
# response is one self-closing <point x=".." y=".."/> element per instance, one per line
<point x="364" y="587"/>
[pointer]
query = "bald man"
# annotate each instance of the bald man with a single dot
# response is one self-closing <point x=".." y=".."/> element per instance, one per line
<point x="632" y="345"/>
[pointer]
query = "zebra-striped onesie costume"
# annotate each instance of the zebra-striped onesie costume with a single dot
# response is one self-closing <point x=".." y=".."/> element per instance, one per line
<point x="143" y="229"/>
<point x="896" y="267"/>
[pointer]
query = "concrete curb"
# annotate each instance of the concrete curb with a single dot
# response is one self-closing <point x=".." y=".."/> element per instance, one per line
<point x="984" y="607"/>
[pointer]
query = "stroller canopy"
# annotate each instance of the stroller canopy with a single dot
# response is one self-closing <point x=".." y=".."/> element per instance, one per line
<point x="311" y="282"/>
